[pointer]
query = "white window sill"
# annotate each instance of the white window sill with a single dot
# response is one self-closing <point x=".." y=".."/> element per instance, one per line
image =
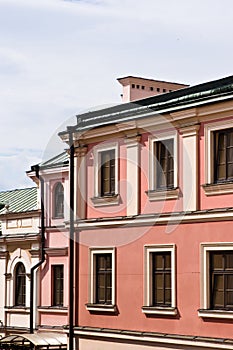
<point x="215" y="313"/>
<point x="53" y="309"/>
<point x="216" y="189"/>
<point x="17" y="309"/>
<point x="159" y="195"/>
<point x="106" y="200"/>
<point x="101" y="308"/>
<point x="152" y="310"/>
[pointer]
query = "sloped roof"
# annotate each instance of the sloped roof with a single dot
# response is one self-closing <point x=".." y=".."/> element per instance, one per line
<point x="19" y="200"/>
<point x="48" y="340"/>
<point x="201" y="93"/>
<point x="61" y="159"/>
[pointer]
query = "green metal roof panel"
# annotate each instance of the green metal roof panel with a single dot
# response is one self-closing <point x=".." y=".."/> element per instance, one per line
<point x="59" y="160"/>
<point x="136" y="109"/>
<point x="19" y="200"/>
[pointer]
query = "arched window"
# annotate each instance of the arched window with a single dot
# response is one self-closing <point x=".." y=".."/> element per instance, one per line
<point x="58" y="201"/>
<point x="20" y="285"/>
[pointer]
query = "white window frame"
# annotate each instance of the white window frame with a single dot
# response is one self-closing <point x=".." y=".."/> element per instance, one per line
<point x="91" y="305"/>
<point x="169" y="193"/>
<point x="210" y="188"/>
<point x="148" y="252"/>
<point x="98" y="200"/>
<point x="204" y="311"/>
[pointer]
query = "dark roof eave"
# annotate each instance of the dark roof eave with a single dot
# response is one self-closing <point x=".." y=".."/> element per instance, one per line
<point x="205" y="93"/>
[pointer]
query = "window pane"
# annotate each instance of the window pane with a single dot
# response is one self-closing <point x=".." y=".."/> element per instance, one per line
<point x="165" y="164"/>
<point x="20" y="285"/>
<point x="229" y="260"/>
<point x="57" y="284"/>
<point x="104" y="278"/>
<point x="107" y="181"/>
<point x="168" y="297"/>
<point x="217" y="261"/>
<point x="221" y="274"/>
<point x="161" y="278"/>
<point x="223" y="155"/>
<point x="59" y="200"/>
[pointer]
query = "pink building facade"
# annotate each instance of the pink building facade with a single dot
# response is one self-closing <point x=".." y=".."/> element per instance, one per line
<point x="52" y="305"/>
<point x="153" y="227"/>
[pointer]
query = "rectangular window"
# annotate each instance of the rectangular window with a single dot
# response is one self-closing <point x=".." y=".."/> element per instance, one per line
<point x="102" y="280"/>
<point x="161" y="279"/>
<point x="223" y="155"/>
<point x="57" y="285"/>
<point x="216" y="280"/>
<point x="164" y="164"/>
<point x="107" y="173"/>
<point x="160" y="285"/>
<point x="221" y="280"/>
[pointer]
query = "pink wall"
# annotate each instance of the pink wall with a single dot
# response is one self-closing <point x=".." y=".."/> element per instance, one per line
<point x="130" y="281"/>
<point x="214" y="201"/>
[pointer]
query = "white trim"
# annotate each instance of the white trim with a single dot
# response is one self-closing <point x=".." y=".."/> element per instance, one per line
<point x="93" y="251"/>
<point x="206" y="248"/>
<point x="155" y="220"/>
<point x="53" y="310"/>
<point x="97" y="164"/>
<point x="149" y="250"/>
<point x="209" y="149"/>
<point x="162" y="136"/>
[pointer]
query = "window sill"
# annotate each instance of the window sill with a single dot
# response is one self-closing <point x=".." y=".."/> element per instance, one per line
<point x="159" y="195"/>
<point x="153" y="310"/>
<point x="17" y="309"/>
<point x="53" y="309"/>
<point x="219" y="188"/>
<point x="106" y="200"/>
<point x="101" y="308"/>
<point x="215" y="313"/>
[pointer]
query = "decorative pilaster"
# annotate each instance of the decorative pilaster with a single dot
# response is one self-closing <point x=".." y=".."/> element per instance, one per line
<point x="190" y="167"/>
<point x="80" y="180"/>
<point x="133" y="168"/>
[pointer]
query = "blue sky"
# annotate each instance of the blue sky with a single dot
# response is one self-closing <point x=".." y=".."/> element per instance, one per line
<point x="59" y="57"/>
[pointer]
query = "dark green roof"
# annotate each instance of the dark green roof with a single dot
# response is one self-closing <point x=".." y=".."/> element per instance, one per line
<point x="203" y="93"/>
<point x="19" y="200"/>
<point x="60" y="160"/>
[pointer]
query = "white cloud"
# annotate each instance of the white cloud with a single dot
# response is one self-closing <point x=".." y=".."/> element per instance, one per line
<point x="59" y="56"/>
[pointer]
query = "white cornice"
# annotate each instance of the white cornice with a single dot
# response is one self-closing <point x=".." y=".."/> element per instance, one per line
<point x="158" y="220"/>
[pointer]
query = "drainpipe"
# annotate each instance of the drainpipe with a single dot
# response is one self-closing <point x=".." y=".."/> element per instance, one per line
<point x="71" y="244"/>
<point x="42" y="230"/>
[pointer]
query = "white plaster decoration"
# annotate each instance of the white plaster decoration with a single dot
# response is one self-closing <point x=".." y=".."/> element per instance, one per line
<point x="80" y="174"/>
<point x="148" y="308"/>
<point x="132" y="169"/>
<point x="190" y="167"/>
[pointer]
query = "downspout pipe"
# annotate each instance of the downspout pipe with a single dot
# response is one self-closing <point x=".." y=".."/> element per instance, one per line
<point x="36" y="168"/>
<point x="71" y="243"/>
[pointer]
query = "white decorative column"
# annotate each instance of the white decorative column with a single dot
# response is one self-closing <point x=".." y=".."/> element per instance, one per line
<point x="133" y="168"/>
<point x="190" y="167"/>
<point x="80" y="180"/>
<point x="3" y="261"/>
